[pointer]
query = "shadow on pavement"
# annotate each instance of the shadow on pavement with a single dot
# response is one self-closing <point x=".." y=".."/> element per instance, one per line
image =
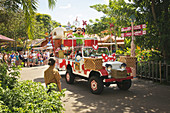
<point x="39" y="80"/>
<point x="141" y="97"/>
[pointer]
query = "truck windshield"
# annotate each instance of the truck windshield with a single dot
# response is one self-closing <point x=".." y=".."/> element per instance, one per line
<point x="88" y="52"/>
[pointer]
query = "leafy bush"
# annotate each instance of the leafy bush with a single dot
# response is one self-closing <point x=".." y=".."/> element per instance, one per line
<point x="26" y="96"/>
<point x="8" y="76"/>
<point x="146" y="55"/>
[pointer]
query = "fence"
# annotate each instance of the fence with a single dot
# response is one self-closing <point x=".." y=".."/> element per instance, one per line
<point x="154" y="70"/>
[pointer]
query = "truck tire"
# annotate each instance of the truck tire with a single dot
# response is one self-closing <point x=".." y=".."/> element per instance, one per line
<point x="69" y="77"/>
<point x="96" y="85"/>
<point x="124" y="85"/>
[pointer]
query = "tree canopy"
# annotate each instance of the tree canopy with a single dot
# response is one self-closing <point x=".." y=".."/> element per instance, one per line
<point x="154" y="13"/>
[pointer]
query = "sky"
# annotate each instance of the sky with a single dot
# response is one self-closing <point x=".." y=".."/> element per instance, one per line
<point x="67" y="10"/>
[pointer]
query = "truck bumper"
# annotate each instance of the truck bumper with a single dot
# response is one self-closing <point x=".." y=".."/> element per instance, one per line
<point x="118" y="79"/>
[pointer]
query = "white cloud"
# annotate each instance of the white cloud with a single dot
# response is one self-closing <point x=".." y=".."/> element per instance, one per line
<point x="65" y="7"/>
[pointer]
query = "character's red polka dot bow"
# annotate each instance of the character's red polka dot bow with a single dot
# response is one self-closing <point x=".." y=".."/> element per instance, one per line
<point x="107" y="58"/>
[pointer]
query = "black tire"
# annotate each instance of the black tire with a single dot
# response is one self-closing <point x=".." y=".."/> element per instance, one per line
<point x="124" y="85"/>
<point x="96" y="85"/>
<point x="69" y="77"/>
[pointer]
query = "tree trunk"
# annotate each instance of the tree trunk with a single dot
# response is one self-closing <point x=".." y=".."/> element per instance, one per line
<point x="153" y="10"/>
<point x="166" y="38"/>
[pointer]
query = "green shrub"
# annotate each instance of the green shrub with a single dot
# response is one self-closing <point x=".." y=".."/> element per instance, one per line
<point x="26" y="96"/>
<point x="8" y="76"/>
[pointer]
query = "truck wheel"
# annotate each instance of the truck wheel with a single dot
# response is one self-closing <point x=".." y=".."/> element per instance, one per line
<point x="96" y="84"/>
<point x="69" y="77"/>
<point x="124" y="85"/>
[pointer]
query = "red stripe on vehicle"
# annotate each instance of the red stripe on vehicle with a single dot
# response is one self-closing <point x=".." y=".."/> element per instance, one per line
<point x="128" y="70"/>
<point x="103" y="72"/>
<point x="63" y="63"/>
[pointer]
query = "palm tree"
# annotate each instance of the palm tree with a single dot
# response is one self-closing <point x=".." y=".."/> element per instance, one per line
<point x="28" y="6"/>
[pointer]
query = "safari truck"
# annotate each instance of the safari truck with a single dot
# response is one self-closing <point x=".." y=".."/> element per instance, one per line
<point x="93" y="63"/>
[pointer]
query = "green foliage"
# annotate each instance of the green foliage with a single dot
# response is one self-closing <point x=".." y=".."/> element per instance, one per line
<point x="45" y="21"/>
<point x="8" y="76"/>
<point x="155" y="14"/>
<point x="119" y="52"/>
<point x="147" y="55"/>
<point x="51" y="3"/>
<point x="28" y="7"/>
<point x="26" y="96"/>
<point x="127" y="51"/>
<point x="97" y="27"/>
<point x="127" y="42"/>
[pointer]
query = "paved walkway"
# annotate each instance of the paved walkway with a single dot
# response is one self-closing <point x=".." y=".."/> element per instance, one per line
<point x="142" y="97"/>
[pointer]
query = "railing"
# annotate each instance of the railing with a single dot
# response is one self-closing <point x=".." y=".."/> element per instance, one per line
<point x="154" y="70"/>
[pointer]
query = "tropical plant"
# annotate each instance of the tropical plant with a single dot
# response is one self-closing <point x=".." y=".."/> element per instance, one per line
<point x="28" y="6"/>
<point x="154" y="13"/>
<point x="8" y="76"/>
<point x="26" y="96"/>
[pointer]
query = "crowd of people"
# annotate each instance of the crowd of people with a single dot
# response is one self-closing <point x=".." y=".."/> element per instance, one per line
<point x="26" y="58"/>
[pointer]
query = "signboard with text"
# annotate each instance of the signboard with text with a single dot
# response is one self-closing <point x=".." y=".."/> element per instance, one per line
<point x="136" y="33"/>
<point x="134" y="27"/>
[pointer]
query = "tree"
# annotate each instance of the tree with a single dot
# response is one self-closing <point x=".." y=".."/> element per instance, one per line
<point x="29" y="7"/>
<point x="117" y="13"/>
<point x="156" y="15"/>
<point x="14" y="26"/>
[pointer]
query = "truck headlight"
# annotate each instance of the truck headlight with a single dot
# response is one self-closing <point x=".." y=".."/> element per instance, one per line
<point x="108" y="67"/>
<point x="123" y="66"/>
<point x="109" y="76"/>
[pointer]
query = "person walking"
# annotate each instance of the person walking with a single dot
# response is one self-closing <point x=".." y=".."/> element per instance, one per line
<point x="51" y="75"/>
<point x="17" y="59"/>
<point x="21" y="57"/>
<point x="25" y="59"/>
<point x="5" y="58"/>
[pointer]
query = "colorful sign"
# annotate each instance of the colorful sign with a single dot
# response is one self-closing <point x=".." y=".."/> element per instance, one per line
<point x="134" y="28"/>
<point x="136" y="33"/>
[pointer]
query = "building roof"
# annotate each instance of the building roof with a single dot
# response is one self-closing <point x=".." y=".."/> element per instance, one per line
<point x="5" y="39"/>
<point x="106" y="38"/>
<point x="37" y="42"/>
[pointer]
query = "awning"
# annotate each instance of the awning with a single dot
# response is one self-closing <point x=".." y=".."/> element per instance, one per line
<point x="5" y="39"/>
<point x="51" y="47"/>
<point x="39" y="48"/>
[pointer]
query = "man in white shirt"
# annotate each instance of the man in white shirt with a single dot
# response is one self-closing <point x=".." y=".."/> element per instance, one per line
<point x="48" y="54"/>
